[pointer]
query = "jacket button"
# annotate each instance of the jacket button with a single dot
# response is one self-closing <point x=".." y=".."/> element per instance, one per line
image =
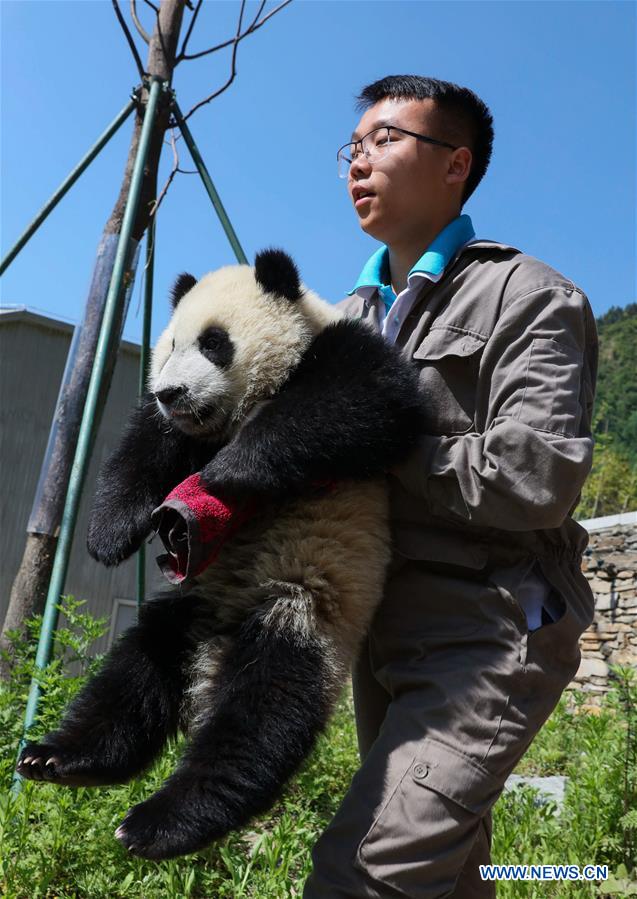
<point x="421" y="771"/>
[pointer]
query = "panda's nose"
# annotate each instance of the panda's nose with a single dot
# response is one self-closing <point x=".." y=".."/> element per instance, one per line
<point x="169" y="394"/>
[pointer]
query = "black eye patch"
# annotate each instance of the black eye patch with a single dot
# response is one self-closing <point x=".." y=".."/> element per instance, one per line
<point x="216" y="346"/>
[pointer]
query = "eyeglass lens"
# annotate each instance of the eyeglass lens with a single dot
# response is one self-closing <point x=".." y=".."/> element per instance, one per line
<point x="374" y="145"/>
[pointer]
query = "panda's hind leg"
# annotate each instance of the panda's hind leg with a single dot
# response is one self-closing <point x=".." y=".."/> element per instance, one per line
<point x="120" y="720"/>
<point x="275" y="690"/>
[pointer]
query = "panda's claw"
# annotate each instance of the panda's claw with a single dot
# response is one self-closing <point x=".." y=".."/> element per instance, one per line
<point x="123" y="837"/>
<point x="35" y="769"/>
<point x="52" y="763"/>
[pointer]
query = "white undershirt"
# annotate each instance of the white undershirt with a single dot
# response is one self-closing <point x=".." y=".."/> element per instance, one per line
<point x="391" y="320"/>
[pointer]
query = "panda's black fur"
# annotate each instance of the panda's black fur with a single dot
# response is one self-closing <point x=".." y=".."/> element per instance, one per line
<point x="251" y="659"/>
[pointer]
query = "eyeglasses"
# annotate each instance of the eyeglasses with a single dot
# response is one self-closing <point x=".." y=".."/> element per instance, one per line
<point x="376" y="145"/>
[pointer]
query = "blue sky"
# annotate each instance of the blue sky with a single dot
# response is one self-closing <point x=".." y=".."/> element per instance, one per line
<point x="559" y="78"/>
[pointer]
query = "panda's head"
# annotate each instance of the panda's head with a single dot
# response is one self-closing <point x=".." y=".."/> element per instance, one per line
<point x="233" y="339"/>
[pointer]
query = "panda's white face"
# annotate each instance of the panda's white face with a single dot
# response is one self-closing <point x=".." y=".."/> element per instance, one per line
<point x="229" y="345"/>
<point x="193" y="389"/>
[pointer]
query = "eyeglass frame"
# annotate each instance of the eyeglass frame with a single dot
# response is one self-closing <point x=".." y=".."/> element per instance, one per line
<point x="422" y="137"/>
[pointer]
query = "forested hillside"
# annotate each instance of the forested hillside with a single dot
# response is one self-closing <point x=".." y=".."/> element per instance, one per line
<point x="612" y="485"/>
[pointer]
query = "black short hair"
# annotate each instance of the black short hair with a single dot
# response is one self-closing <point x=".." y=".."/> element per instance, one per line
<point x="464" y="119"/>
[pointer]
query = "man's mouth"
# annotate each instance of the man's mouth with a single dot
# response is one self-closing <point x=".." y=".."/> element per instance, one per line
<point x="366" y="198"/>
<point x="360" y="195"/>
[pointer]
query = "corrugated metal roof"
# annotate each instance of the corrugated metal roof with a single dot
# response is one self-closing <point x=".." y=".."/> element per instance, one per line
<point x="39" y="319"/>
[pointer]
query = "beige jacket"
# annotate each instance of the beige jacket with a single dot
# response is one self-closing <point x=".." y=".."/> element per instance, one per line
<point x="507" y="352"/>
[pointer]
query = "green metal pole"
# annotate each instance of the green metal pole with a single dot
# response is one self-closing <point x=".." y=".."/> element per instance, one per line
<point x="207" y="181"/>
<point x="80" y="462"/>
<point x="68" y="183"/>
<point x="144" y="359"/>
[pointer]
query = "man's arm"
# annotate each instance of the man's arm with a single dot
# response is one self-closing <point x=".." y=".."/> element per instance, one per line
<point x="528" y="467"/>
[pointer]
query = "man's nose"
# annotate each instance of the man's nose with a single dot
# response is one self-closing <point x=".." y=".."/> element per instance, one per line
<point x="359" y="167"/>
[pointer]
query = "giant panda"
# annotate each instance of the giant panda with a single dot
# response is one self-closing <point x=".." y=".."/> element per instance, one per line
<point x="267" y="390"/>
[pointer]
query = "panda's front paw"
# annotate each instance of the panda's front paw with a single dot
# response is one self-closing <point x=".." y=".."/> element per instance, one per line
<point x="175" y="821"/>
<point x="237" y="474"/>
<point x="111" y="541"/>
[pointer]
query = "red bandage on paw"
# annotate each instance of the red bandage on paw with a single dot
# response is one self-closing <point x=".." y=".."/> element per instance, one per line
<point x="193" y="526"/>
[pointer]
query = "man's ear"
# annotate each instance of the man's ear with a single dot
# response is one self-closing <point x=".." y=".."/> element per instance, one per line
<point x="459" y="165"/>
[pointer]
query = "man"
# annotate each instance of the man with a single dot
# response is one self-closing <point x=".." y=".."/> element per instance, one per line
<point x="477" y="634"/>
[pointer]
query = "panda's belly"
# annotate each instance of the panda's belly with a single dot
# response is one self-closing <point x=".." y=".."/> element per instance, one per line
<point x="326" y="554"/>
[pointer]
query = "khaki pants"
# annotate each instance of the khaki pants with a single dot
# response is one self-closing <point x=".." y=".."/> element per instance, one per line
<point x="450" y="689"/>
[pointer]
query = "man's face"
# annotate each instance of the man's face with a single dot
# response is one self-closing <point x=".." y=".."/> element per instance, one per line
<point x="409" y="187"/>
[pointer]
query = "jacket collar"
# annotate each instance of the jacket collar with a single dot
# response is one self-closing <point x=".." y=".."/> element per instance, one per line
<point x="366" y="309"/>
<point x="434" y="260"/>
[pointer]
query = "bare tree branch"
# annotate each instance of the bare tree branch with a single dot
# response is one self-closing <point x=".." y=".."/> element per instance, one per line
<point x="223" y="88"/>
<point x="241" y="12"/>
<point x="254" y="26"/>
<point x="259" y="11"/>
<point x="272" y="12"/>
<point x="193" y="19"/>
<point x="138" y="25"/>
<point x="174" y="171"/>
<point x="169" y="181"/>
<point x="129" y="38"/>
<point x="235" y="42"/>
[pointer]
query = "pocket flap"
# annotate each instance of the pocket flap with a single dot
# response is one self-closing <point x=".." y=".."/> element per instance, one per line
<point x="441" y="342"/>
<point x="453" y="774"/>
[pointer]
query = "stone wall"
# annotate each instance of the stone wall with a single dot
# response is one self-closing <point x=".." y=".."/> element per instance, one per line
<point x="610" y="564"/>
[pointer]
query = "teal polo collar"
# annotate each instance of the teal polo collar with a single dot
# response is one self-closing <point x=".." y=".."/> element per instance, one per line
<point x="433" y="261"/>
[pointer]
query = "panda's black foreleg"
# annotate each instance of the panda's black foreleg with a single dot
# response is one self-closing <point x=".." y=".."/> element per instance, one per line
<point x="351" y="409"/>
<point x="121" y="719"/>
<point x="274" y="697"/>
<point x="151" y="459"/>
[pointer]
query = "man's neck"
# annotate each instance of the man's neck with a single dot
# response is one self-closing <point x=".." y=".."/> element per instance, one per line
<point x="403" y="256"/>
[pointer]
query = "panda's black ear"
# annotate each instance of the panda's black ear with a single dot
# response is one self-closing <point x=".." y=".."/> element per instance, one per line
<point x="180" y="288"/>
<point x="276" y="272"/>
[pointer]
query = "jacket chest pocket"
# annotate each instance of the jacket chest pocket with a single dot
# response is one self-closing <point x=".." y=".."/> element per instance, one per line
<point x="448" y="360"/>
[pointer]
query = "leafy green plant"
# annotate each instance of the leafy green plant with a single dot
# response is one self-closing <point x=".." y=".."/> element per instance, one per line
<point x="59" y="842"/>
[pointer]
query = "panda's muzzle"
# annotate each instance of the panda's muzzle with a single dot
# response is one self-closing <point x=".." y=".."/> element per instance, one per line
<point x="170" y="395"/>
<point x="175" y="403"/>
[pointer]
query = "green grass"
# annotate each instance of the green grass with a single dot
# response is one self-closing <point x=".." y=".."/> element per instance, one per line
<point x="59" y="843"/>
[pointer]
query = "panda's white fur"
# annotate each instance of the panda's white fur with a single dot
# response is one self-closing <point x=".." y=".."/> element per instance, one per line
<point x="269" y="337"/>
<point x="251" y="657"/>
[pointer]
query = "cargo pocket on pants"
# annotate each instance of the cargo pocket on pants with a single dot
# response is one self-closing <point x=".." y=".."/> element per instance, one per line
<point x="424" y="830"/>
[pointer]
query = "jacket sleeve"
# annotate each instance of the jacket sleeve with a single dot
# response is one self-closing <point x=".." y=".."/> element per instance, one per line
<point x="526" y="469"/>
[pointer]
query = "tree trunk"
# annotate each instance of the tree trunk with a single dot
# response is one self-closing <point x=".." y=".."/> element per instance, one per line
<point x="30" y="587"/>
